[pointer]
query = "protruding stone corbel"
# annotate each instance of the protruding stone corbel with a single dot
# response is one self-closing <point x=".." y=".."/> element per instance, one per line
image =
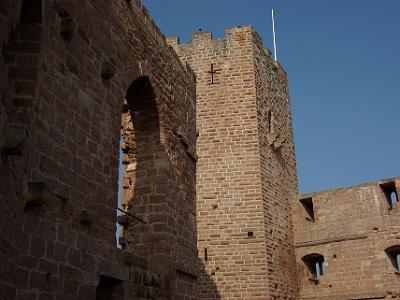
<point x="14" y="138"/>
<point x="68" y="27"/>
<point x="108" y="70"/>
<point x="191" y="152"/>
<point x="275" y="141"/>
<point x="36" y="194"/>
<point x="279" y="143"/>
<point x="271" y="138"/>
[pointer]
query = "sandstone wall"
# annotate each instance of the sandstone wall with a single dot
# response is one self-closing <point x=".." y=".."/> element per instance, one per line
<point x="352" y="228"/>
<point x="243" y="185"/>
<point x="278" y="170"/>
<point x="66" y="70"/>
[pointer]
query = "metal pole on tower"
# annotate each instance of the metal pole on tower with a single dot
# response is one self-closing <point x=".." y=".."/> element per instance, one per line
<point x="273" y="30"/>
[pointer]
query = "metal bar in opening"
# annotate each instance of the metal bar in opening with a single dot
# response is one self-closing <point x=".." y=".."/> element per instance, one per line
<point x="132" y="216"/>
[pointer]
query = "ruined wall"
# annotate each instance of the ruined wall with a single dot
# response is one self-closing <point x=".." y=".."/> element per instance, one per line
<point x="66" y="68"/>
<point x="352" y="227"/>
<point x="244" y="242"/>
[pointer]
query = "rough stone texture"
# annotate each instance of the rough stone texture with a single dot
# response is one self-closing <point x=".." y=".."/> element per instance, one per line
<point x="75" y="77"/>
<point x="353" y="227"/>
<point x="66" y="69"/>
<point x="244" y="182"/>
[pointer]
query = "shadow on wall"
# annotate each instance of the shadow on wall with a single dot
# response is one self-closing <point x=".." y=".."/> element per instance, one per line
<point x="143" y="160"/>
<point x="206" y="282"/>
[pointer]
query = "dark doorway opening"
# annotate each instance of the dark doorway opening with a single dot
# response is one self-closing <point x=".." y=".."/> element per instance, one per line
<point x="109" y="289"/>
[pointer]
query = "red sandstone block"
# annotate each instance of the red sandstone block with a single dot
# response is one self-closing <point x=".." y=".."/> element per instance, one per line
<point x="87" y="292"/>
<point x="37" y="245"/>
<point x="37" y="280"/>
<point x="47" y="267"/>
<point x="22" y="73"/>
<point x="60" y="252"/>
<point x="27" y="60"/>
<point x="70" y="286"/>
<point x="23" y="47"/>
<point x="74" y="257"/>
<point x="28" y="262"/>
<point x="21" y="278"/>
<point x="46" y="296"/>
<point x="24" y="88"/>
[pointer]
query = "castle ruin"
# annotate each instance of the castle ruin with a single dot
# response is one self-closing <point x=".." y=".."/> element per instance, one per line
<point x="209" y="206"/>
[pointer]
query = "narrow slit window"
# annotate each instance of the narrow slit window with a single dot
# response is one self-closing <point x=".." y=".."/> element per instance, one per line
<point x="390" y="192"/>
<point x="308" y="206"/>
<point x="205" y="254"/>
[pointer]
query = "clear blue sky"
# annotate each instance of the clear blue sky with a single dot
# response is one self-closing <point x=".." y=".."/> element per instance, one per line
<point x="343" y="64"/>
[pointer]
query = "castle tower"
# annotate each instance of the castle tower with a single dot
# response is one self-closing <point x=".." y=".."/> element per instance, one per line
<point x="246" y="171"/>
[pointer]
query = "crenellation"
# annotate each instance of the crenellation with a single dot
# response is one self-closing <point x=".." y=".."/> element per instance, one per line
<point x="209" y="207"/>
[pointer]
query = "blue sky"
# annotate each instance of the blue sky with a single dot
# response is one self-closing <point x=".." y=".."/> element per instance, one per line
<point x="343" y="64"/>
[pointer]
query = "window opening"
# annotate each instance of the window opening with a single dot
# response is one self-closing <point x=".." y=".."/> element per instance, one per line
<point x="393" y="199"/>
<point x="315" y="264"/>
<point x="308" y="206"/>
<point x="205" y="254"/>
<point x="389" y="189"/>
<point x="398" y="261"/>
<point x="109" y="289"/>
<point x="394" y="255"/>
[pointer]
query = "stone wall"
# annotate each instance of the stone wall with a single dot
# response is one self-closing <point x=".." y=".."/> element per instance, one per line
<point x="66" y="70"/>
<point x="244" y="183"/>
<point x="351" y="228"/>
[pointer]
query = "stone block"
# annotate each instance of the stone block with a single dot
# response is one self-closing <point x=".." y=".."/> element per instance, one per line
<point x="14" y="138"/>
<point x="85" y="218"/>
<point x="36" y="194"/>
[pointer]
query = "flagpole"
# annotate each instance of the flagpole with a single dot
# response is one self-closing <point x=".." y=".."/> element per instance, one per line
<point x="273" y="30"/>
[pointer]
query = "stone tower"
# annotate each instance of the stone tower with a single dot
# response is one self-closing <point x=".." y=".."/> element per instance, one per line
<point x="246" y="170"/>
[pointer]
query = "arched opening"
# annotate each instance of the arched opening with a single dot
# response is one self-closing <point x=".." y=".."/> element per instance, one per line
<point x="393" y="253"/>
<point x="390" y="192"/>
<point x="21" y="56"/>
<point x="315" y="264"/>
<point x="144" y="170"/>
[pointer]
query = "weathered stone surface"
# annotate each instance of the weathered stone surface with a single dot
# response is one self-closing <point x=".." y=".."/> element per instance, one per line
<point x="352" y="228"/>
<point x="65" y="71"/>
<point x="14" y="138"/>
<point x="242" y="186"/>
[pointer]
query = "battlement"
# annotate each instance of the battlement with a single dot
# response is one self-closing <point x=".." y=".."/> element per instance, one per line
<point x="232" y="34"/>
<point x="207" y="35"/>
<point x="361" y="185"/>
